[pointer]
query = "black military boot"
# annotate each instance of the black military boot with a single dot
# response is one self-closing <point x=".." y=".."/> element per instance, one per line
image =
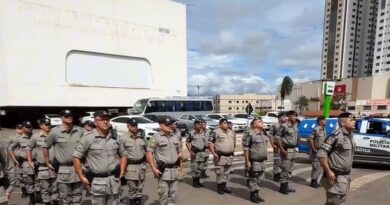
<point x="314" y="183"/>
<point x="38" y="197"/>
<point x="283" y="188"/>
<point x="258" y="197"/>
<point x="131" y="201"/>
<point x="290" y="189"/>
<point x="195" y="182"/>
<point x="253" y="197"/>
<point x="24" y="192"/>
<point x="277" y="177"/>
<point x="138" y="201"/>
<point x="225" y="189"/>
<point x="32" y="199"/>
<point x="220" y="189"/>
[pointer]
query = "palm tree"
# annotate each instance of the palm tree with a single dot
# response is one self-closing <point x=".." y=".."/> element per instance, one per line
<point x="302" y="103"/>
<point x="285" y="88"/>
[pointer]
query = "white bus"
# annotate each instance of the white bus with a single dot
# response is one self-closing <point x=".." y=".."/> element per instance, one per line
<point x="175" y="106"/>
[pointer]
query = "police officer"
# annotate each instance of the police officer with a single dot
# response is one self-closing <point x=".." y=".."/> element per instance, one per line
<point x="4" y="161"/>
<point x="336" y="155"/>
<point x="287" y="138"/>
<point x="46" y="177"/>
<point x="135" y="143"/>
<point x="64" y="139"/>
<point x="10" y="169"/>
<point x="163" y="155"/>
<point x="255" y="153"/>
<point x="222" y="144"/>
<point x="315" y="141"/>
<point x="19" y="155"/>
<point x="206" y="131"/>
<point x="277" y="159"/>
<point x="88" y="126"/>
<point x="106" y="159"/>
<point x="177" y="133"/>
<point x="196" y="144"/>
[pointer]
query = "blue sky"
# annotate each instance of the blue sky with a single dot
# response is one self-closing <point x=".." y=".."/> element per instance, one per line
<point x="237" y="46"/>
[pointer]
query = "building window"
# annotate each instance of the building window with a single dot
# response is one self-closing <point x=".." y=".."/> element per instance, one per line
<point x="237" y="108"/>
<point x="230" y="101"/>
<point x="230" y="108"/>
<point x="238" y="101"/>
<point x="382" y="107"/>
<point x="367" y="107"/>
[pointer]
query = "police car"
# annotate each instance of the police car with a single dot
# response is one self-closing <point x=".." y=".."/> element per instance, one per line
<point x="372" y="138"/>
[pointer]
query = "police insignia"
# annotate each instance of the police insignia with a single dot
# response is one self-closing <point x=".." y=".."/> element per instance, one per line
<point x="330" y="140"/>
<point x="152" y="142"/>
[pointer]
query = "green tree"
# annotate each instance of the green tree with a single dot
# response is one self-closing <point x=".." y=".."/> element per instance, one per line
<point x="302" y="103"/>
<point x="285" y="88"/>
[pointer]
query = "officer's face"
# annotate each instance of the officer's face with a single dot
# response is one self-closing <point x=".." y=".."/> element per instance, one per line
<point x="102" y="123"/>
<point x="204" y="125"/>
<point x="67" y="119"/>
<point x="258" y="124"/>
<point x="45" y="127"/>
<point x="133" y="129"/>
<point x="349" y="123"/>
<point x="19" y="131"/>
<point x="27" y="130"/>
<point x="283" y="119"/>
<point x="323" y="122"/>
<point x="224" y="125"/>
<point x="166" y="128"/>
<point x="88" y="128"/>
<point x="292" y="118"/>
<point x="198" y="126"/>
<point x="174" y="126"/>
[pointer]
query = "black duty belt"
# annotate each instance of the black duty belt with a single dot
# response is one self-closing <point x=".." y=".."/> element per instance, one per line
<point x="170" y="166"/>
<point x="339" y="173"/>
<point x="256" y="160"/>
<point x="42" y="164"/>
<point x="114" y="172"/>
<point x="226" y="154"/>
<point x="136" y="161"/>
<point x="197" y="150"/>
<point x="66" y="164"/>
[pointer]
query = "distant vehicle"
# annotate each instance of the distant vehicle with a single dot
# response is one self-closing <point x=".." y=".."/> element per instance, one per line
<point x="174" y="106"/>
<point x="120" y="125"/>
<point x="188" y="120"/>
<point x="87" y="116"/>
<point x="55" y="119"/>
<point x="156" y="118"/>
<point x="372" y="138"/>
<point x="238" y="124"/>
<point x="269" y="119"/>
<point x="243" y="116"/>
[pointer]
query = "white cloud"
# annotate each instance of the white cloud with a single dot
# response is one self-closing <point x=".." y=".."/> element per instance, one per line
<point x="200" y="62"/>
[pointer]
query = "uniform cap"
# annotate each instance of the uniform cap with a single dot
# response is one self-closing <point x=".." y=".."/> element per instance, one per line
<point x="282" y="114"/>
<point x="19" y="126"/>
<point x="64" y="113"/>
<point x="89" y="123"/>
<point x="101" y="113"/>
<point x="197" y="122"/>
<point x="346" y="115"/>
<point x="26" y="124"/>
<point x="254" y="120"/>
<point x="166" y="121"/>
<point x="292" y="112"/>
<point x="222" y="120"/>
<point x="45" y="121"/>
<point x="132" y="122"/>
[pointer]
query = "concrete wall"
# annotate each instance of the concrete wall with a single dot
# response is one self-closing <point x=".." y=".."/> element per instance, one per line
<point x="37" y="38"/>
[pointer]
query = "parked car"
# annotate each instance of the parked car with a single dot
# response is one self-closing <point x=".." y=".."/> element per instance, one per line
<point x="238" y="124"/>
<point x="188" y="120"/>
<point x="87" y="116"/>
<point x="55" y="119"/>
<point x="156" y="118"/>
<point x="120" y="125"/>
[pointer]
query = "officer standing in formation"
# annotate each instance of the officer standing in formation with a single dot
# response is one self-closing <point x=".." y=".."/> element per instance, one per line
<point x="222" y="144"/>
<point x="64" y="139"/>
<point x="336" y="156"/>
<point x="206" y="131"/>
<point x="106" y="159"/>
<point x="164" y="156"/>
<point x="45" y="177"/>
<point x="134" y="142"/>
<point x="277" y="158"/>
<point x="196" y="144"/>
<point x="4" y="160"/>
<point x="315" y="141"/>
<point x="287" y="138"/>
<point x="88" y="126"/>
<point x="19" y="155"/>
<point x="10" y="169"/>
<point x="255" y="153"/>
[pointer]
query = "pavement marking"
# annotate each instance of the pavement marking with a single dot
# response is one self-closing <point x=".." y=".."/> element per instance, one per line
<point x="363" y="180"/>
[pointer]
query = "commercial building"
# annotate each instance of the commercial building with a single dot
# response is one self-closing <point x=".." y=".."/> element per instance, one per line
<point x="89" y="54"/>
<point x="382" y="50"/>
<point x="349" y="38"/>
<point x="237" y="103"/>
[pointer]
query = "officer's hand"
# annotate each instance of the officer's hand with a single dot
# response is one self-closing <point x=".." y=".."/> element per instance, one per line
<point x="156" y="172"/>
<point x="85" y="182"/>
<point x="31" y="165"/>
<point x="284" y="153"/>
<point x="17" y="163"/>
<point x="50" y="166"/>
<point x="248" y="165"/>
<point x="216" y="158"/>
<point x="331" y="177"/>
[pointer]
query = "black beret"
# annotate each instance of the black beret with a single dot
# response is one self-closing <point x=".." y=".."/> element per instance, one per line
<point x="346" y="115"/>
<point x="45" y="121"/>
<point x="198" y="122"/>
<point x="26" y="124"/>
<point x="222" y="120"/>
<point x="281" y="114"/>
<point x="89" y="123"/>
<point x="292" y="112"/>
<point x="101" y="113"/>
<point x="166" y="120"/>
<point x="132" y="122"/>
<point x="19" y="126"/>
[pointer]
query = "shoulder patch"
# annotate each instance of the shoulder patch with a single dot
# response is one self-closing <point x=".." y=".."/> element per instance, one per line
<point x="330" y="140"/>
<point x="152" y="142"/>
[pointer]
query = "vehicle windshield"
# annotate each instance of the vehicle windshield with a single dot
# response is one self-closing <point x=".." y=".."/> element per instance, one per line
<point x="139" y="107"/>
<point x="203" y="117"/>
<point x="229" y="117"/>
<point x="143" y="120"/>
